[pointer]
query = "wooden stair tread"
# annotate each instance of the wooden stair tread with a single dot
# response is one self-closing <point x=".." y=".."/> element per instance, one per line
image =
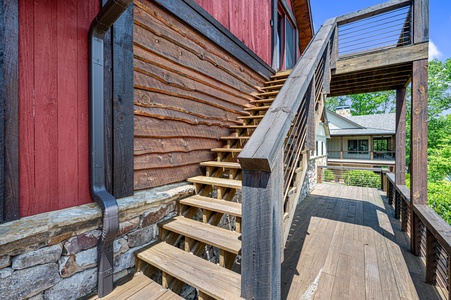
<point x="211" y="279"/>
<point x="268" y="100"/>
<point x="235" y="137"/>
<point x="272" y="87"/>
<point x="285" y="73"/>
<point x="233" y="150"/>
<point x="250" y="126"/>
<point x="140" y="287"/>
<point x="275" y="81"/>
<point x="257" y="108"/>
<point x="214" y="181"/>
<point x="212" y="204"/>
<point x="211" y="235"/>
<point x="272" y="93"/>
<point x="221" y="164"/>
<point x="251" y="117"/>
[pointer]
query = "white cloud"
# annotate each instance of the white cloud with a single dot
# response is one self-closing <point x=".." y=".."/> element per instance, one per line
<point x="433" y="51"/>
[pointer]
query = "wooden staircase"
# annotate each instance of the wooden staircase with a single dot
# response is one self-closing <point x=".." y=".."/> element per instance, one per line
<point x="207" y="223"/>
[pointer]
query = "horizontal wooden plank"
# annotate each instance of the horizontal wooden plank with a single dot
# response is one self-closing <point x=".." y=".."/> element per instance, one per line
<point x="140" y="287"/>
<point x="144" y="145"/>
<point x="228" y="150"/>
<point x="211" y="204"/>
<point x="380" y="59"/>
<point x="145" y="127"/>
<point x="250" y="126"/>
<point x="372" y="10"/>
<point x="436" y="225"/>
<point x="350" y="168"/>
<point x="218" y="182"/>
<point x="145" y="179"/>
<point x="171" y="159"/>
<point x="211" y="235"/>
<point x="221" y="164"/>
<point x="211" y="279"/>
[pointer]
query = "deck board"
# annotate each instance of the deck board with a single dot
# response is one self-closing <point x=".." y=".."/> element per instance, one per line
<point x="345" y="244"/>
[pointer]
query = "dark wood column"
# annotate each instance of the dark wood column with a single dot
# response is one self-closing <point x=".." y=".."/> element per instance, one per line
<point x="9" y="110"/>
<point x="341" y="147"/>
<point x="371" y="147"/>
<point x="400" y="137"/>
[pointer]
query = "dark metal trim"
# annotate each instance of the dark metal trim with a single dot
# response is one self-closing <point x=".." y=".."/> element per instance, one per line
<point x="202" y="21"/>
<point x="109" y="13"/>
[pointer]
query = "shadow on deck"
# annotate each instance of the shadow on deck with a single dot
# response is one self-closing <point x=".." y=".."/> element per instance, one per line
<point x="345" y="244"/>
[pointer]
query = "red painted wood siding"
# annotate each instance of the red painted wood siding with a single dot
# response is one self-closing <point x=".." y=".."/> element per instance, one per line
<point x="53" y="103"/>
<point x="248" y="20"/>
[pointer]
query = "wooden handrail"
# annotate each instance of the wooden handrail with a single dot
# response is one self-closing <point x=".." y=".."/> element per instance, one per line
<point x="436" y="236"/>
<point x="372" y="11"/>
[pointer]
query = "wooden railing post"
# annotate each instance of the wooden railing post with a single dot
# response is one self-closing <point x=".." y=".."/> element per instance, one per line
<point x="390" y="193"/>
<point x="319" y="174"/>
<point x="431" y="260"/>
<point x="261" y="255"/>
<point x="415" y="237"/>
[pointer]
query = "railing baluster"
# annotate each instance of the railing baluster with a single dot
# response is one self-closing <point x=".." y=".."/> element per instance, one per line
<point x="397" y="204"/>
<point x="431" y="257"/>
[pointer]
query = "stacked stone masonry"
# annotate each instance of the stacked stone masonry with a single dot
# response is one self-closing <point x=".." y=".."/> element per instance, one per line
<point x="53" y="255"/>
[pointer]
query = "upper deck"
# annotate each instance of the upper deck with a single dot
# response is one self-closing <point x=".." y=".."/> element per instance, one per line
<point x="345" y="244"/>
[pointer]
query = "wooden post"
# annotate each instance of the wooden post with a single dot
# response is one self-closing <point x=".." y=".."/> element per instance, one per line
<point x="390" y="192"/>
<point x="262" y="232"/>
<point x="9" y="110"/>
<point x="418" y="142"/>
<point x="431" y="260"/>
<point x="420" y="21"/>
<point x="341" y="147"/>
<point x="371" y="147"/>
<point x="400" y="137"/>
<point x="404" y="217"/>
<point x="415" y="238"/>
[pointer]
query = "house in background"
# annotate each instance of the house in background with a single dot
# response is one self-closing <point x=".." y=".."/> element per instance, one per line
<point x="361" y="141"/>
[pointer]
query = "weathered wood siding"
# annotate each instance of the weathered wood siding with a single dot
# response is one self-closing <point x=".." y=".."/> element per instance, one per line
<point x="187" y="91"/>
<point x="248" y="20"/>
<point x="53" y="103"/>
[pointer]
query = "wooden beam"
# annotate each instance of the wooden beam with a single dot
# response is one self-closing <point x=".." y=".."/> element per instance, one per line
<point x="304" y="22"/>
<point x="9" y="110"/>
<point x="123" y="95"/>
<point x="420" y="21"/>
<point x="400" y="159"/>
<point x="261" y="255"/>
<point x="372" y="11"/>
<point x="419" y="133"/>
<point x="387" y="57"/>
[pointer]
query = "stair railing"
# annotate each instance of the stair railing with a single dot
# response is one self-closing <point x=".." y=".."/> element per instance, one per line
<point x="270" y="161"/>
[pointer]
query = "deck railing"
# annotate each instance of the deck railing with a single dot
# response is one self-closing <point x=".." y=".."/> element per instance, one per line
<point x="352" y="176"/>
<point x="371" y="155"/>
<point x="384" y="26"/>
<point x="430" y="235"/>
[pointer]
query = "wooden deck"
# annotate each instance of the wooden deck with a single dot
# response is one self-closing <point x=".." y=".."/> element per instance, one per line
<point x="344" y="244"/>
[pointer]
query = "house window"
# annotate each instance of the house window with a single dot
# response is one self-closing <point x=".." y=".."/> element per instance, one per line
<point x="381" y="144"/>
<point x="286" y="41"/>
<point x="358" y="146"/>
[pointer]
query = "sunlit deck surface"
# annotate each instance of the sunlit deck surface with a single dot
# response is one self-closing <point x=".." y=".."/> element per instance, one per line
<point x="345" y="244"/>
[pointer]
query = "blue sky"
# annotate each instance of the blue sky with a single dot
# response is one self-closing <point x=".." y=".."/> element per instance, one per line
<point x="440" y="20"/>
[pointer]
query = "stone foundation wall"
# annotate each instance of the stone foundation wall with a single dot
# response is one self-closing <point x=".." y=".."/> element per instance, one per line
<point x="310" y="179"/>
<point x="53" y="255"/>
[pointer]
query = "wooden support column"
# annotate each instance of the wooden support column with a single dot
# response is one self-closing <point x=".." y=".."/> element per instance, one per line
<point x="371" y="147"/>
<point x="262" y="232"/>
<point x="9" y="110"/>
<point x="400" y="137"/>
<point x="341" y="147"/>
<point x="418" y="142"/>
<point x="431" y="259"/>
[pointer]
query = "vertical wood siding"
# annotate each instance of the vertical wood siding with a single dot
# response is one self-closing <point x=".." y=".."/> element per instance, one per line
<point x="53" y="102"/>
<point x="248" y="20"/>
<point x="187" y="91"/>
